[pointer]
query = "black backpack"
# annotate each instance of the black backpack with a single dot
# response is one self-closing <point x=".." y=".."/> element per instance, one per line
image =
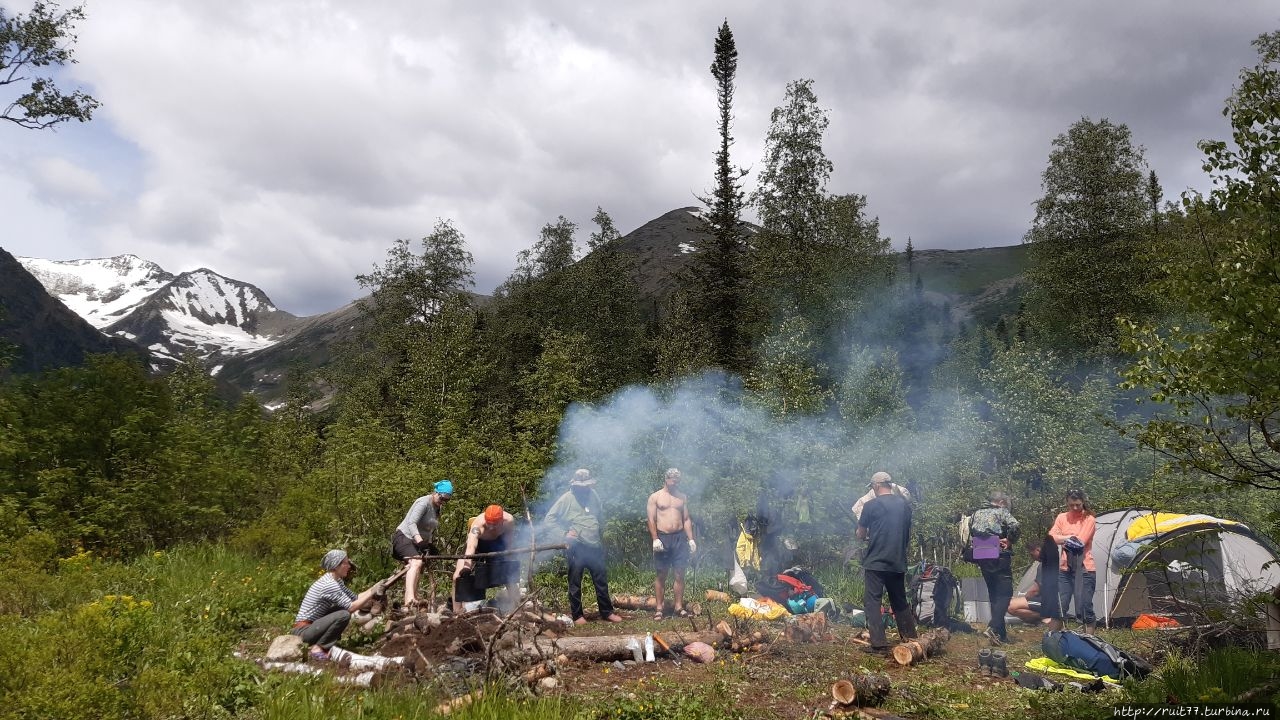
<point x="935" y="596"/>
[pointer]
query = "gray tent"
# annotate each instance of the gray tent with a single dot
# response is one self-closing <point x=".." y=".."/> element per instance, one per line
<point x="1201" y="560"/>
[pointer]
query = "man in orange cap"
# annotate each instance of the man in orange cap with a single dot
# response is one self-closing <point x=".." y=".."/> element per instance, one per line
<point x="486" y="533"/>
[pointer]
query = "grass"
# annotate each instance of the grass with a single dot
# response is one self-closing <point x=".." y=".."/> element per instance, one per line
<point x="157" y="637"/>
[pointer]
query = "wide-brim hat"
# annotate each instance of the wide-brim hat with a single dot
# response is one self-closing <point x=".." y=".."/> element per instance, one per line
<point x="582" y="478"/>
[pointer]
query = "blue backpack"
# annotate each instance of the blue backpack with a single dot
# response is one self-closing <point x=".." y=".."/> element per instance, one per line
<point x="1093" y="655"/>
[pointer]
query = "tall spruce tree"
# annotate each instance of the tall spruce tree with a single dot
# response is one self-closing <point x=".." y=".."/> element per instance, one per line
<point x="1088" y="238"/>
<point x="719" y="273"/>
<point x="791" y="201"/>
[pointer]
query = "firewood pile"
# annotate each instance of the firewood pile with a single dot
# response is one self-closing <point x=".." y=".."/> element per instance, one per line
<point x="461" y="653"/>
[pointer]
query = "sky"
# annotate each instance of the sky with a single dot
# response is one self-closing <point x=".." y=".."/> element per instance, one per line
<point x="289" y="143"/>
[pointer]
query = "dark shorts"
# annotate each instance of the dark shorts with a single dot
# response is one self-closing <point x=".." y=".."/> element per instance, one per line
<point x="484" y="575"/>
<point x="402" y="547"/>
<point x="676" y="555"/>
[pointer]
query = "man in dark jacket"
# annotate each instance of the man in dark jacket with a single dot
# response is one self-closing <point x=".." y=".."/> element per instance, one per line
<point x="996" y="523"/>
<point x="886" y="526"/>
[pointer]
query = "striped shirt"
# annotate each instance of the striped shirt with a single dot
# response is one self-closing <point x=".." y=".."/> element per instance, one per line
<point x="325" y="595"/>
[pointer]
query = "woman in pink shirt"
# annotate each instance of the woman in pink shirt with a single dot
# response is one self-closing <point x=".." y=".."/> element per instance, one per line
<point x="1077" y="575"/>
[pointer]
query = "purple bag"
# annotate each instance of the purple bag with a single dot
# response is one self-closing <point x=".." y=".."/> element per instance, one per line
<point x="985" y="547"/>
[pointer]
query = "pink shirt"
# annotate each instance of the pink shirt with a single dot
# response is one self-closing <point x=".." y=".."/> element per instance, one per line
<point x="1082" y="526"/>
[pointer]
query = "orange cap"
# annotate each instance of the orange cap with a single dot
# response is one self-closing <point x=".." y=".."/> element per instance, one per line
<point x="493" y="514"/>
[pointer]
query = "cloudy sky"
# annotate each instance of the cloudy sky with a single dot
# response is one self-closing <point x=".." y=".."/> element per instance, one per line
<point x="288" y="143"/>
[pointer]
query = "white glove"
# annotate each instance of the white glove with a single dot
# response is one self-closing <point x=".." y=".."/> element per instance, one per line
<point x="693" y="546"/>
<point x="658" y="546"/>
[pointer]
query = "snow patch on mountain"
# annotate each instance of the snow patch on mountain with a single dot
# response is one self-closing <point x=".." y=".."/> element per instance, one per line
<point x="100" y="290"/>
<point x="188" y="334"/>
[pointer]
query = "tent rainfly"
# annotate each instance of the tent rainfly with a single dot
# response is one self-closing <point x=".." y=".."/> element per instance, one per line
<point x="1164" y="563"/>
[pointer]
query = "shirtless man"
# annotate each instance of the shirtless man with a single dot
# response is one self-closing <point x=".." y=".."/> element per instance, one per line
<point x="486" y="533"/>
<point x="673" y="543"/>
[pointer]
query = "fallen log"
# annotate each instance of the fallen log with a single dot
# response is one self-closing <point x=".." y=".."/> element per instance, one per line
<point x="863" y="689"/>
<point x="647" y="602"/>
<point x="927" y="645"/>
<point x="369" y="678"/>
<point x="612" y="647"/>
<point x="718" y="596"/>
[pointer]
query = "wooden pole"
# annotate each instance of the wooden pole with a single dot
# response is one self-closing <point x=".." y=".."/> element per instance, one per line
<point x="499" y="553"/>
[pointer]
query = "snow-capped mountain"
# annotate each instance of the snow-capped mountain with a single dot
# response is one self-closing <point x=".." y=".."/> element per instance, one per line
<point x="100" y="290"/>
<point x="199" y="312"/>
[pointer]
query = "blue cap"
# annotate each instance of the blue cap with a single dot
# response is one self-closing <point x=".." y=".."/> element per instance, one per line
<point x="444" y="487"/>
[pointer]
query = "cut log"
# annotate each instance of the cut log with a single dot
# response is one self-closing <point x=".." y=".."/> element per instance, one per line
<point x="459" y="702"/>
<point x="536" y="673"/>
<point x="843" y="693"/>
<point x="717" y="596"/>
<point x="724" y="629"/>
<point x="864" y="689"/>
<point x="807" y="628"/>
<point x="927" y="645"/>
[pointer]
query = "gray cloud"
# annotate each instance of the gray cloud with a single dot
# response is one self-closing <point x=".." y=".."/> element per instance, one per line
<point x="289" y="143"/>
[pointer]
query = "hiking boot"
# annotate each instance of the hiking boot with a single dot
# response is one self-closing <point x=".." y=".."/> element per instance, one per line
<point x="1090" y="628"/>
<point x="984" y="662"/>
<point x="999" y="664"/>
<point x="992" y="636"/>
<point x="881" y="650"/>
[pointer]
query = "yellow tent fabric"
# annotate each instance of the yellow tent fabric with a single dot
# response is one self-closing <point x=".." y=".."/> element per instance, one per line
<point x="1047" y="665"/>
<point x="1154" y="523"/>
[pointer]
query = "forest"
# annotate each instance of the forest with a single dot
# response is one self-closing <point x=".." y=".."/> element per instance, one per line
<point x="151" y="529"/>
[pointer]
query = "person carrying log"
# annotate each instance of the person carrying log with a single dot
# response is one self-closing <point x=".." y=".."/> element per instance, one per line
<point x="487" y="532"/>
<point x="326" y="608"/>
<point x="414" y="536"/>
<point x="885" y="524"/>
<point x="671" y="530"/>
<point x="994" y="525"/>
<point x="577" y="514"/>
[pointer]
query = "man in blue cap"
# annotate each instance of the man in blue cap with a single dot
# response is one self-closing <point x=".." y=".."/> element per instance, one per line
<point x="413" y="536"/>
<point x="326" y="608"/>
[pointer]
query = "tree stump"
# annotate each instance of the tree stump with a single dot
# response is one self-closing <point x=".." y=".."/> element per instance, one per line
<point x="927" y="645"/>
